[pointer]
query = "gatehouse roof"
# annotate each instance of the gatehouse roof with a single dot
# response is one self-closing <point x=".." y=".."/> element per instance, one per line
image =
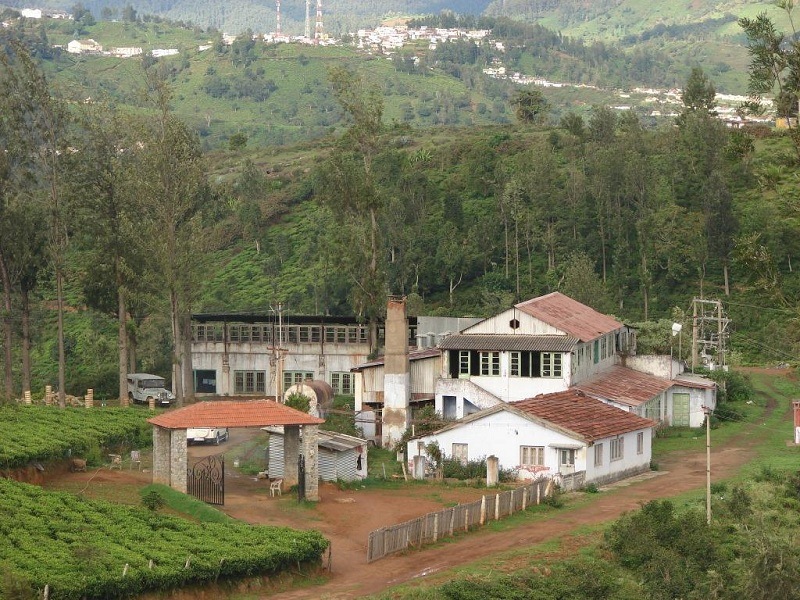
<point x="222" y="413"/>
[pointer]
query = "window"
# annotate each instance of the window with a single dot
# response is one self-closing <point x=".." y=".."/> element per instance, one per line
<point x="291" y="378"/>
<point x="316" y="335"/>
<point x="551" y="364"/>
<point x="233" y="332"/>
<point x="490" y="363"/>
<point x="514" y="365"/>
<point x="598" y="455"/>
<point x="640" y="443"/>
<point x="460" y="453"/>
<point x="604" y="347"/>
<point x="531" y="456"/>
<point x="343" y="383"/>
<point x="596" y="352"/>
<point x="304" y="334"/>
<point x="617" y="448"/>
<point x="249" y="382"/>
<point x="567" y="457"/>
<point x="463" y="362"/>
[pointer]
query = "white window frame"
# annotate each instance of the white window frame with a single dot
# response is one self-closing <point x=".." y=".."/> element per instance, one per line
<point x="464" y="363"/>
<point x="531" y="456"/>
<point x="552" y="364"/>
<point x="640" y="442"/>
<point x="515" y="366"/>
<point x="617" y="448"/>
<point x="291" y="378"/>
<point x="490" y="363"/>
<point x="566" y="457"/>
<point x="598" y="455"/>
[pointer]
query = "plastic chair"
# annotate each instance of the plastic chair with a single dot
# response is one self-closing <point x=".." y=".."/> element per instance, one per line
<point x="136" y="457"/>
<point x="116" y="461"/>
<point x="275" y="486"/>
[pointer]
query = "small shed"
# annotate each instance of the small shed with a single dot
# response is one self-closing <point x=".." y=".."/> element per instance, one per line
<point x="341" y="457"/>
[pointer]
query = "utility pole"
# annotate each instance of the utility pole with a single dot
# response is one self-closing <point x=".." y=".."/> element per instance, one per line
<point x="707" y="412"/>
<point x="277" y="353"/>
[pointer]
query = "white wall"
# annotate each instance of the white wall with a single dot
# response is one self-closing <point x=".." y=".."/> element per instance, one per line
<point x="630" y="462"/>
<point x="527" y="325"/>
<point x="501" y="434"/>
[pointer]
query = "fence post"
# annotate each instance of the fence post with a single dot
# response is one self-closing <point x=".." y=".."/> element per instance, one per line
<point x="483" y="510"/>
<point x="524" y="497"/>
<point x="452" y="520"/>
<point x="436" y="527"/>
<point x="538" y="492"/>
<point x="27" y="397"/>
<point x="497" y="507"/>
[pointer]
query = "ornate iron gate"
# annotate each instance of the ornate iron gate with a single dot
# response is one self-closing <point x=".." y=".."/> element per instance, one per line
<point x="205" y="480"/>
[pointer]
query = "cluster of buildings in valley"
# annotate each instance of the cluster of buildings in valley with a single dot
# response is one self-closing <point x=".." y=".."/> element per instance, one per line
<point x="549" y="386"/>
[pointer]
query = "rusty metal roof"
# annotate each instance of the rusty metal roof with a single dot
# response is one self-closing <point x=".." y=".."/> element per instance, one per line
<point x="253" y="413"/>
<point x="570" y="316"/>
<point x="521" y="342"/>
<point x="591" y="419"/>
<point x="623" y="385"/>
<point x="413" y="355"/>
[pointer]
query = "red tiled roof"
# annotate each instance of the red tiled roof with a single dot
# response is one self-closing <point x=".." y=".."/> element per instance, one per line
<point x="570" y="316"/>
<point x="253" y="413"/>
<point x="623" y="385"/>
<point x="589" y="418"/>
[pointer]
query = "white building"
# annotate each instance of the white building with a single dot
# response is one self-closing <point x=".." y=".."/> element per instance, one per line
<point x="83" y="46"/>
<point x="561" y="433"/>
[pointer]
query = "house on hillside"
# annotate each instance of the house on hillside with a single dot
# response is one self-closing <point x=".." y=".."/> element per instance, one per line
<point x="544" y="345"/>
<point x="560" y="433"/>
<point x="84" y="47"/>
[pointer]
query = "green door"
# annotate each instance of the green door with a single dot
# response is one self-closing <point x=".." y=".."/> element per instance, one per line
<point x="680" y="410"/>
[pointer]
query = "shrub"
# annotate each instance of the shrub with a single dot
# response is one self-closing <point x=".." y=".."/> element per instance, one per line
<point x="153" y="501"/>
<point x="298" y="402"/>
<point x="591" y="489"/>
<point x="472" y="469"/>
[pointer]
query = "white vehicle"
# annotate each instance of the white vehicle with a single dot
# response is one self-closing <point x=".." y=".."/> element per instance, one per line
<point x="206" y="435"/>
<point x="143" y="386"/>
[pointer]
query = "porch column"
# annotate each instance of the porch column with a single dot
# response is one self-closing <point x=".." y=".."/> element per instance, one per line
<point x="291" y="450"/>
<point x="161" y="455"/>
<point x="310" y="451"/>
<point x="178" y="463"/>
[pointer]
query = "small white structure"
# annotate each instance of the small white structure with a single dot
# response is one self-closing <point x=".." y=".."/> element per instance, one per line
<point x="126" y="52"/>
<point x="83" y="46"/>
<point x="561" y="433"/>
<point x="31" y="13"/>
<point x="160" y="52"/>
<point x="341" y="457"/>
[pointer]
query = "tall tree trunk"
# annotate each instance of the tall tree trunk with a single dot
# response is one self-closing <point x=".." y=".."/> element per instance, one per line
<point x="26" y="340"/>
<point x="727" y="282"/>
<point x="62" y="359"/>
<point x="177" y="374"/>
<point x="188" y="374"/>
<point x="122" y="345"/>
<point x="7" y="332"/>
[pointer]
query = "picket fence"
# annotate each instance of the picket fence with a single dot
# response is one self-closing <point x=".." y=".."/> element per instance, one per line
<point x="434" y="526"/>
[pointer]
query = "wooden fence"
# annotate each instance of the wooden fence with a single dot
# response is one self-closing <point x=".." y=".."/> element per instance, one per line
<point x="434" y="526"/>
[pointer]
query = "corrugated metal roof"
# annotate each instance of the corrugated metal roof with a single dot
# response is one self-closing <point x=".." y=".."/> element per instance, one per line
<point x="570" y="316"/>
<point x="535" y="343"/>
<point x="255" y="413"/>
<point x="623" y="385"/>
<point x="589" y="418"/>
<point x="412" y="355"/>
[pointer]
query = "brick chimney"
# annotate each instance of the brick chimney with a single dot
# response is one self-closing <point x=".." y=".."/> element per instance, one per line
<point x="396" y="378"/>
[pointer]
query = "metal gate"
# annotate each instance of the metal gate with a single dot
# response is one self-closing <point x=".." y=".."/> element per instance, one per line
<point x="205" y="480"/>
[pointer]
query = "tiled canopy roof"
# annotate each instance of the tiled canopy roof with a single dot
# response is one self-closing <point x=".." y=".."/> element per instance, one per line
<point x="253" y="413"/>
<point x="589" y="418"/>
<point x="620" y="384"/>
<point x="521" y="342"/>
<point x="570" y="316"/>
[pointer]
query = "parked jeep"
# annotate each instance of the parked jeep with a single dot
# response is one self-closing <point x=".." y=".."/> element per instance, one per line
<point x="143" y="386"/>
<point x="207" y="435"/>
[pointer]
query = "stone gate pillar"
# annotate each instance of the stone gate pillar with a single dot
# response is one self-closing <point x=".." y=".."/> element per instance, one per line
<point x="291" y="451"/>
<point x="311" y="453"/>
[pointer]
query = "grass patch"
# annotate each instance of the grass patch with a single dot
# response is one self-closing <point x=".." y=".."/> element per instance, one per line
<point x="186" y="506"/>
<point x="251" y="455"/>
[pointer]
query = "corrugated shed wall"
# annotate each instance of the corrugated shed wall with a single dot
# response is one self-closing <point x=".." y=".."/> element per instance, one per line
<point x="275" y="468"/>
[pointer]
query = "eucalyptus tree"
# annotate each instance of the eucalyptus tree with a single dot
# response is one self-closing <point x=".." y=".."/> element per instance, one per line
<point x="103" y="176"/>
<point x="169" y="180"/>
<point x="42" y="119"/>
<point x="347" y="185"/>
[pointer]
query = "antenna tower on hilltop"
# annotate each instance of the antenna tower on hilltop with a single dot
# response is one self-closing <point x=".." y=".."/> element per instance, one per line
<point x="318" y="25"/>
<point x="278" y="28"/>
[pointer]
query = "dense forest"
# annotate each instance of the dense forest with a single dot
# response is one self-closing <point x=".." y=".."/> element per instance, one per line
<point x="115" y="225"/>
